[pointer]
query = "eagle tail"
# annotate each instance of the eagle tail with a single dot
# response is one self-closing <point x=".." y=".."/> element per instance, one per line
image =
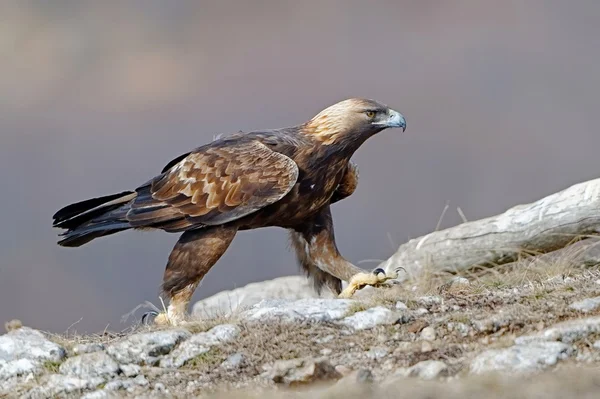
<point x="93" y="218"/>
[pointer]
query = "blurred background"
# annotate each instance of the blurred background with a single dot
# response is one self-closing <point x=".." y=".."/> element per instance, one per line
<point x="501" y="98"/>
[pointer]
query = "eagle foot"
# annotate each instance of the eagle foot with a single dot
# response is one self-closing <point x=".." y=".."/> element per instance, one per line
<point x="161" y="319"/>
<point x="376" y="278"/>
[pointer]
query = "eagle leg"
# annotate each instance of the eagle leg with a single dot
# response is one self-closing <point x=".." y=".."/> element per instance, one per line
<point x="194" y="254"/>
<point x="317" y="252"/>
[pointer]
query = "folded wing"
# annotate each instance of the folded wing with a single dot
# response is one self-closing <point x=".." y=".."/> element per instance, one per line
<point x="213" y="185"/>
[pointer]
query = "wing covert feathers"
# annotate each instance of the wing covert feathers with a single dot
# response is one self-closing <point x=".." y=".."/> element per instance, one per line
<point x="215" y="185"/>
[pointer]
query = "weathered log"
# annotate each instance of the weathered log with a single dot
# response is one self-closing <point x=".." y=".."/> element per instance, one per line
<point x="543" y="226"/>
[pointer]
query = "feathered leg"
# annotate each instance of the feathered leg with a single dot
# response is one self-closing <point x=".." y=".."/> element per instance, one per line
<point x="317" y="252"/>
<point x="192" y="257"/>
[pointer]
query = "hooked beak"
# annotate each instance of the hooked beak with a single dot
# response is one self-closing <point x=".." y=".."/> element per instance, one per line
<point x="396" y="120"/>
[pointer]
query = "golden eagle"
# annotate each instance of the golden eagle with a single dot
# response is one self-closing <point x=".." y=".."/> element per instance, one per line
<point x="285" y="177"/>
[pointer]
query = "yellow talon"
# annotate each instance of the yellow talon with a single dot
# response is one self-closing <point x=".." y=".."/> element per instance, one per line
<point x="360" y="280"/>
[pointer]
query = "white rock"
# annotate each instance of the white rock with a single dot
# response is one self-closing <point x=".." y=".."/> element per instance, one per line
<point x="401" y="306"/>
<point x="17" y="368"/>
<point x="586" y="305"/>
<point x="130" y="370"/>
<point x="302" y="310"/>
<point x="146" y="348"/>
<point x="90" y="365"/>
<point x="596" y="345"/>
<point x="227" y="302"/>
<point x="377" y="353"/>
<point x="428" y="334"/>
<point x="428" y="301"/>
<point x="199" y="344"/>
<point x="59" y="385"/>
<point x="26" y="343"/>
<point x="427" y="370"/>
<point x="572" y="330"/>
<point x="534" y="356"/>
<point x="371" y="318"/>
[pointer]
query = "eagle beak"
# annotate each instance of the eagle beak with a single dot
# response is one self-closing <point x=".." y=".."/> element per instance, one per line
<point x="396" y="120"/>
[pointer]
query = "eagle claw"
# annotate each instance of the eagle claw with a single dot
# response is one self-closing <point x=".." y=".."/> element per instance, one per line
<point x="376" y="278"/>
<point x="146" y="317"/>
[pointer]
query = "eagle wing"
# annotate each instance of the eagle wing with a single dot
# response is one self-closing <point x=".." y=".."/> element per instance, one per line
<point x="213" y="185"/>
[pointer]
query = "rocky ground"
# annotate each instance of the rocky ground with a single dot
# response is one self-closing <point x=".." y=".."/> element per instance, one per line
<point x="502" y="333"/>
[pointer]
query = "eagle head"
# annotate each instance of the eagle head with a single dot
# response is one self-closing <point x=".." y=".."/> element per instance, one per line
<point x="353" y="119"/>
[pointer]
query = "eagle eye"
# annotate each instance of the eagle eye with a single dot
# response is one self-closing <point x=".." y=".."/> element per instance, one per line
<point x="370" y="114"/>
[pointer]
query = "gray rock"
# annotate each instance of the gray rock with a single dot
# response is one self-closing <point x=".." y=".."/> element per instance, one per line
<point x="26" y="343"/>
<point x="227" y="302"/>
<point x="567" y="331"/>
<point x="87" y="348"/>
<point x="428" y="334"/>
<point x="140" y="380"/>
<point x="586" y="305"/>
<point x="401" y="306"/>
<point x="371" y="318"/>
<point x="119" y="384"/>
<point x="377" y="352"/>
<point x="461" y="328"/>
<point x="429" y="301"/>
<point x="199" y="344"/>
<point x="493" y="323"/>
<point x="302" y="310"/>
<point x="130" y="370"/>
<point x="98" y="394"/>
<point x="146" y="348"/>
<point x="233" y="362"/>
<point x="534" y="356"/>
<point x="19" y="367"/>
<point x="427" y="370"/>
<point x="301" y="371"/>
<point x="596" y="345"/>
<point x="459" y="282"/>
<point x="59" y="385"/>
<point x="421" y="312"/>
<point x="90" y="365"/>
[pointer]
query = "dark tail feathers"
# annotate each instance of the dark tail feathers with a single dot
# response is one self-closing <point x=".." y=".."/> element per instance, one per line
<point x="93" y="218"/>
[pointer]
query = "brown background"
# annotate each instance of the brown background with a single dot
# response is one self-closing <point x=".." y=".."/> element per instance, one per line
<point x="501" y="100"/>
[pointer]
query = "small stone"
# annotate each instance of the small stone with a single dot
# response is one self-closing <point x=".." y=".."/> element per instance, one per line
<point x="19" y="367"/>
<point x="421" y="312"/>
<point x="428" y="334"/>
<point x="325" y="339"/>
<point x="460" y="281"/>
<point x="534" y="356"/>
<point x="427" y="370"/>
<point x="428" y="301"/>
<point x="98" y="394"/>
<point x="586" y="305"/>
<point x="301" y="371"/>
<point x="572" y="330"/>
<point x="233" y="362"/>
<point x="199" y="344"/>
<point x="401" y="306"/>
<point x="325" y="351"/>
<point x="141" y="380"/>
<point x="371" y="318"/>
<point x="417" y="326"/>
<point x="90" y="365"/>
<point x="160" y="387"/>
<point x="377" y="353"/>
<point x="146" y="348"/>
<point x="493" y="323"/>
<point x="596" y="345"/>
<point x="61" y="385"/>
<point x="426" y="347"/>
<point x="87" y="348"/>
<point x="130" y="370"/>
